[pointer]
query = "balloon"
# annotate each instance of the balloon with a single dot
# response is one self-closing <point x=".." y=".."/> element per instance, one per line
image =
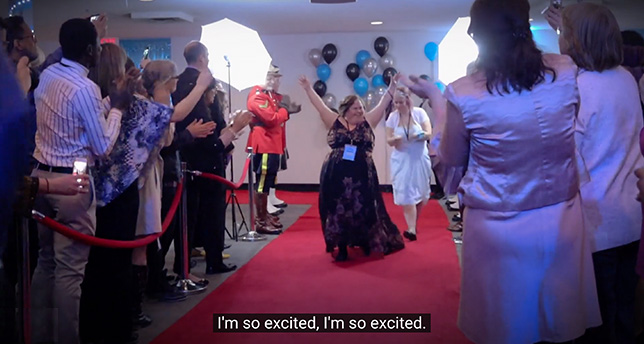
<point x="386" y="62"/>
<point x="361" y="56"/>
<point x="431" y="50"/>
<point x="369" y="67"/>
<point x="329" y="52"/>
<point x="388" y="74"/>
<point x="360" y="85"/>
<point x="425" y="77"/>
<point x="371" y="99"/>
<point x="377" y="80"/>
<point x="329" y="100"/>
<point x="320" y="88"/>
<point x="353" y="71"/>
<point x="440" y="85"/>
<point x="381" y="45"/>
<point x="380" y="91"/>
<point x="315" y="56"/>
<point x="324" y="72"/>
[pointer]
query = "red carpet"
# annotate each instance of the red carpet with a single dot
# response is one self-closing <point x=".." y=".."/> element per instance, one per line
<point x="293" y="274"/>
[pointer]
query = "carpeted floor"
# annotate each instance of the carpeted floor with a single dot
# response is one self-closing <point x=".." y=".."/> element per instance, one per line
<point x="293" y="274"/>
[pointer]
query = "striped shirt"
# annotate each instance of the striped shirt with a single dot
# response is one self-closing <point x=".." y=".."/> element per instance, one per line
<point x="71" y="121"/>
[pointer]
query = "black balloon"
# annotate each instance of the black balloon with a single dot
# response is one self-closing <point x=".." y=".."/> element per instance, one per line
<point x="320" y="88"/>
<point x="388" y="74"/>
<point x="381" y="45"/>
<point x="329" y="52"/>
<point x="353" y="71"/>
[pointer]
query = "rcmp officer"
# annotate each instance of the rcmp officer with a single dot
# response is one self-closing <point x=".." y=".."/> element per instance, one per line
<point x="266" y="138"/>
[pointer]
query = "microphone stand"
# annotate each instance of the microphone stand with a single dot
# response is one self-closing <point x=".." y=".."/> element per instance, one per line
<point x="232" y="198"/>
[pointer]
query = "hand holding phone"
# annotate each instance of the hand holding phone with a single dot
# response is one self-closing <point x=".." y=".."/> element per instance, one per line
<point x="94" y="17"/>
<point x="80" y="168"/>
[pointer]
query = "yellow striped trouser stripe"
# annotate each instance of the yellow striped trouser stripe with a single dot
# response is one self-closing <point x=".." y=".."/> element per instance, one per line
<point x="262" y="179"/>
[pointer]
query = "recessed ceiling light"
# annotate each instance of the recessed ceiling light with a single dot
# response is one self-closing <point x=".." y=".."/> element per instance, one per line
<point x="376" y="22"/>
<point x="146" y="0"/>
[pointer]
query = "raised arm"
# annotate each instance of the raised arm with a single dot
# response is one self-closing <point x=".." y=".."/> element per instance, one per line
<point x="326" y="114"/>
<point x="374" y="116"/>
<point x="185" y="106"/>
<point x="429" y="91"/>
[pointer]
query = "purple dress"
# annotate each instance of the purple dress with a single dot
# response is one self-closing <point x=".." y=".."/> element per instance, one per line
<point x="527" y="272"/>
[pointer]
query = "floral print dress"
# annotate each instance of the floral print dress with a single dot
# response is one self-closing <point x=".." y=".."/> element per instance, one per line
<point x="351" y="205"/>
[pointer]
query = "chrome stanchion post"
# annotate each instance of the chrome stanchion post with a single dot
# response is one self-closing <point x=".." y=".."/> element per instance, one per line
<point x="184" y="284"/>
<point x="24" y="286"/>
<point x="252" y="235"/>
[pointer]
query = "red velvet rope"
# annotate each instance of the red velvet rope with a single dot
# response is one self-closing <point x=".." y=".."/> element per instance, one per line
<point x="225" y="181"/>
<point x="94" y="241"/>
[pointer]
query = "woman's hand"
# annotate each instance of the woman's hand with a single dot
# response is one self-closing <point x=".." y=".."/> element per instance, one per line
<point x="241" y="120"/>
<point x="68" y="185"/>
<point x="304" y="82"/>
<point x="199" y="129"/>
<point x="553" y="17"/>
<point x="23" y="74"/>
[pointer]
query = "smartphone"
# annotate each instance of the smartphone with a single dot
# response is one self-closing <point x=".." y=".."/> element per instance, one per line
<point x="94" y="17"/>
<point x="146" y="53"/>
<point x="555" y="3"/>
<point x="80" y="166"/>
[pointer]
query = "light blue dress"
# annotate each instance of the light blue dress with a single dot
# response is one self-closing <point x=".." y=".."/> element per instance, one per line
<point x="411" y="168"/>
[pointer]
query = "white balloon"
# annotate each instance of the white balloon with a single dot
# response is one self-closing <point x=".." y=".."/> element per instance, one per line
<point x="371" y="99"/>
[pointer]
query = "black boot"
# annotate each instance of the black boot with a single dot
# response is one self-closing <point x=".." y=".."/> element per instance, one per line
<point x="140" y="319"/>
<point x="343" y="255"/>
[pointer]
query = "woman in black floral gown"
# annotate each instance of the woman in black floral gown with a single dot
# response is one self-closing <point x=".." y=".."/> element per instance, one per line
<point x="351" y="206"/>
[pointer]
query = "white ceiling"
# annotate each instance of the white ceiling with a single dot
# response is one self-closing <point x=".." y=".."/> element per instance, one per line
<point x="299" y="16"/>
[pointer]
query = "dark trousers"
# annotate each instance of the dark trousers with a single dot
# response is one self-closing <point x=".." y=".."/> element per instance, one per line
<point x="107" y="295"/>
<point x="616" y="283"/>
<point x="206" y="217"/>
<point x="173" y="233"/>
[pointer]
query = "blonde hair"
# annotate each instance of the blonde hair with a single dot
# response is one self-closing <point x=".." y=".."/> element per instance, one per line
<point x="157" y="72"/>
<point x="592" y="36"/>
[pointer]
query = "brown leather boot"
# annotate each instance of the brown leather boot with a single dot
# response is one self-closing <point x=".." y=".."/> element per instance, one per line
<point x="262" y="222"/>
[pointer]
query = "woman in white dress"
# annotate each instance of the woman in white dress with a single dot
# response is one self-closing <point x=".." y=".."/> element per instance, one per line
<point x="408" y="129"/>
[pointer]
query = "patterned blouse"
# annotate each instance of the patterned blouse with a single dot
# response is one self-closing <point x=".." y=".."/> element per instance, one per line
<point x="142" y="128"/>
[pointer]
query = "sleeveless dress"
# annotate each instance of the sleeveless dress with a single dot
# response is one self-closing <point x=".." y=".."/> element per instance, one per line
<point x="351" y="205"/>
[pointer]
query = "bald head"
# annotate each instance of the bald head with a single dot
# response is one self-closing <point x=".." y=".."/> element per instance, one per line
<point x="196" y="54"/>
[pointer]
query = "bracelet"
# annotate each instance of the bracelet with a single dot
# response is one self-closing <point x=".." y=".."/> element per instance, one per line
<point x="47" y="181"/>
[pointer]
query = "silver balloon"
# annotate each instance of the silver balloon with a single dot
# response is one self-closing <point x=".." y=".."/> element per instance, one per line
<point x="370" y="66"/>
<point x="371" y="99"/>
<point x="330" y="100"/>
<point x="315" y="56"/>
<point x="386" y="62"/>
<point x="380" y="91"/>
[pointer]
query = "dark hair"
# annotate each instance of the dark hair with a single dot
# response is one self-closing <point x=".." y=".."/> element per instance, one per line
<point x="193" y="50"/>
<point x="14" y="30"/>
<point x="591" y="36"/>
<point x="347" y="102"/>
<point x="507" y="53"/>
<point x="75" y="36"/>
<point x="630" y="37"/>
<point x="129" y="64"/>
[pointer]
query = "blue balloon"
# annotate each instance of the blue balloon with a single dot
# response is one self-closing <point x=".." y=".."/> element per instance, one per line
<point x="431" y="50"/>
<point x="361" y="85"/>
<point x="378" y="80"/>
<point x="324" y="72"/>
<point x="361" y="57"/>
<point x="440" y="85"/>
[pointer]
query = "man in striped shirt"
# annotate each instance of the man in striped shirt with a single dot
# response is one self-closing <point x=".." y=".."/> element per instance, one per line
<point x="71" y="124"/>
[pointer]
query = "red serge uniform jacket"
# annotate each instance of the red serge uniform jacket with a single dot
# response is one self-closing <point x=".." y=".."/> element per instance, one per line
<point x="267" y="134"/>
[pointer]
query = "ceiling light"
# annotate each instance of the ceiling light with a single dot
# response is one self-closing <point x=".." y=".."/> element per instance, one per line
<point x="531" y="19"/>
<point x="376" y="22"/>
<point x="146" y="0"/>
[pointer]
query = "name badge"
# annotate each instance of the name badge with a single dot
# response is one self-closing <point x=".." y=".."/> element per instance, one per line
<point x="349" y="152"/>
